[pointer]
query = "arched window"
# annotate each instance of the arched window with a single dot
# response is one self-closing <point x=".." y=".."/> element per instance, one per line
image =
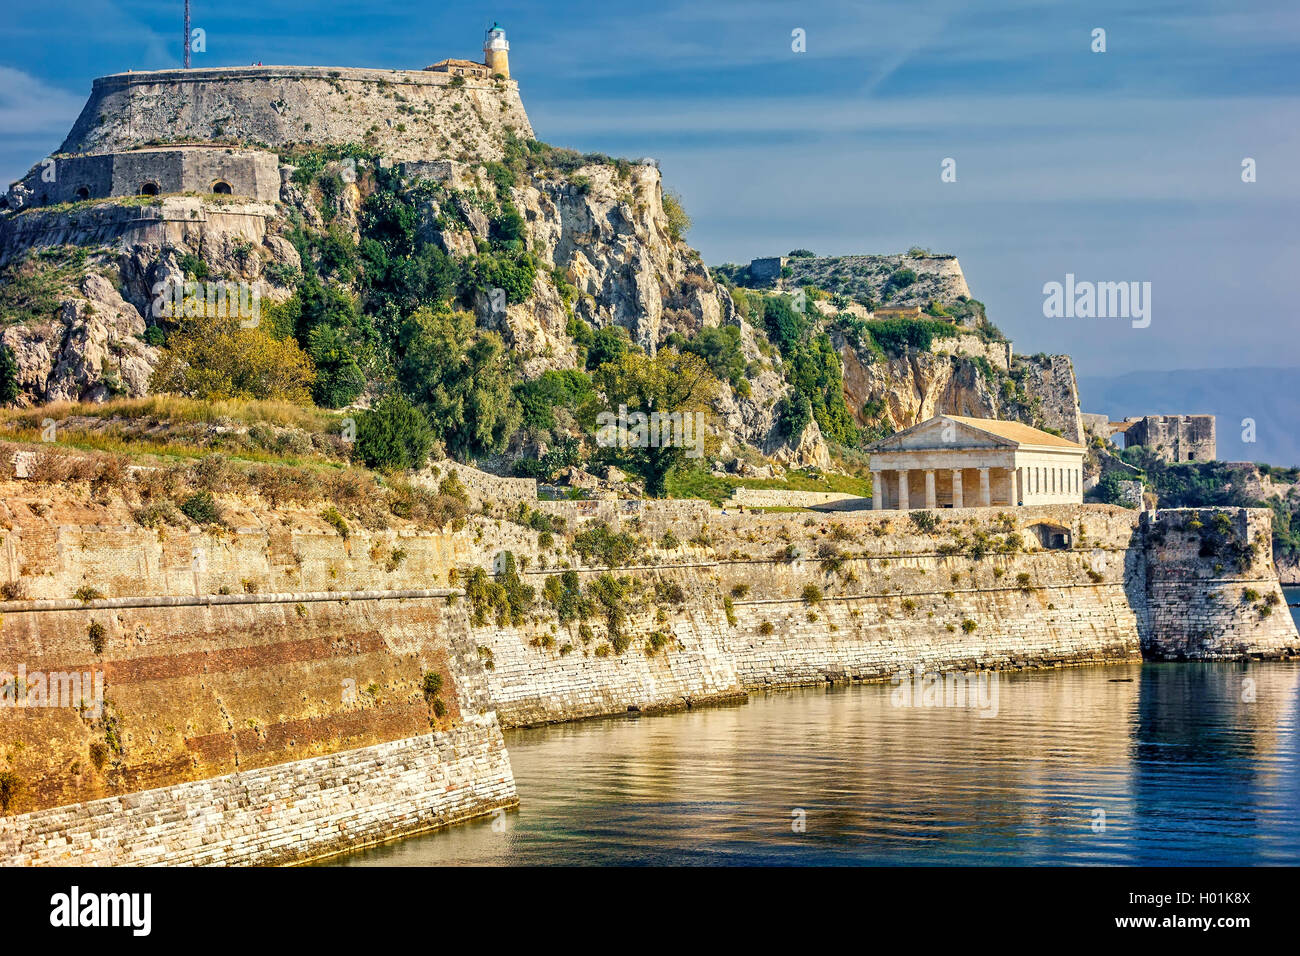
<point x="222" y="188"/>
<point x="149" y="189"/>
<point x="83" y="192"/>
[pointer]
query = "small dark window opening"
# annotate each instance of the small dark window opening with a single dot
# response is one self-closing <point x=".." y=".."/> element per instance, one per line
<point x="148" y="189"/>
<point x="1052" y="537"/>
<point x="83" y="192"/>
<point x="222" y="188"/>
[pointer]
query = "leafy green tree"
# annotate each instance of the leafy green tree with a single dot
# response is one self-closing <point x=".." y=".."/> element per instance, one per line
<point x="679" y="224"/>
<point x="339" y="379"/>
<point x="539" y="398"/>
<point x="460" y="375"/>
<point x="668" y="382"/>
<point x="793" y="413"/>
<point x="213" y="358"/>
<point x="8" y="375"/>
<point x="785" y="326"/>
<point x="393" y="434"/>
<point x="513" y="272"/>
<point x="720" y="347"/>
<point x="607" y="345"/>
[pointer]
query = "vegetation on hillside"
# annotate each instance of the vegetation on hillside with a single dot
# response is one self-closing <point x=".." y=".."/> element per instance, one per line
<point x="1204" y="484"/>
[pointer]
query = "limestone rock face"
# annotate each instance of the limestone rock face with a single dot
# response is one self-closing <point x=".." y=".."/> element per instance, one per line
<point x="914" y="387"/>
<point x="608" y="236"/>
<point x="89" y="351"/>
<point x="605" y="234"/>
<point x="920" y="385"/>
<point x="1050" y="380"/>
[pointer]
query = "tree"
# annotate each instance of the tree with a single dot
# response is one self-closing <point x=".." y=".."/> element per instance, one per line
<point x="669" y="382"/>
<point x="8" y="375"/>
<point x="460" y="376"/>
<point x="540" y="397"/>
<point x="393" y="434"/>
<point x="339" y="379"/>
<point x="720" y="346"/>
<point x="214" y="359"/>
<point x="679" y="224"/>
<point x="607" y="345"/>
<point x="785" y="326"/>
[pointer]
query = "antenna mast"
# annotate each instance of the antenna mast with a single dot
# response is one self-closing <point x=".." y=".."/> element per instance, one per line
<point x="187" y="34"/>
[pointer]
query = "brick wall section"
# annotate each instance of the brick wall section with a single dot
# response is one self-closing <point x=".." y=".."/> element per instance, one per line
<point x="280" y="814"/>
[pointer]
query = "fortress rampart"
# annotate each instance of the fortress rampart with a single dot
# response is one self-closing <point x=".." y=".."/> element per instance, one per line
<point x="417" y="114"/>
<point x="247" y="173"/>
<point x="267" y="689"/>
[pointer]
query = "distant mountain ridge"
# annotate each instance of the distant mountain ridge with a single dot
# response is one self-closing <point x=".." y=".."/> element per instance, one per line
<point x="1268" y="396"/>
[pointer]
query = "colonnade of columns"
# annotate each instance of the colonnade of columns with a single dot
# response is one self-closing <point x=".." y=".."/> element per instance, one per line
<point x="984" y="498"/>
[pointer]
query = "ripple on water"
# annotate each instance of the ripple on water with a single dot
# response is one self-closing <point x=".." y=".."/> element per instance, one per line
<point x="1179" y="767"/>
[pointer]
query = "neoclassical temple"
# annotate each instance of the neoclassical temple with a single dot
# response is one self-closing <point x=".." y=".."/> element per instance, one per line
<point x="950" y="461"/>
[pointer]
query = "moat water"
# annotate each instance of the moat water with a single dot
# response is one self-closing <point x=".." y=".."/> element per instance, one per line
<point x="1151" y="764"/>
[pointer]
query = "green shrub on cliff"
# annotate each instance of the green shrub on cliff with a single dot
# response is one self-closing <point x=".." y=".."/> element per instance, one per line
<point x="202" y="508"/>
<point x="600" y="544"/>
<point x="8" y="375"/>
<point x="610" y="593"/>
<point x="393" y="435"/>
<point x="460" y="376"/>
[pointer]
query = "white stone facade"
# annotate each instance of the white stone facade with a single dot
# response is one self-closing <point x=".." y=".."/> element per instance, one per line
<point x="954" y="462"/>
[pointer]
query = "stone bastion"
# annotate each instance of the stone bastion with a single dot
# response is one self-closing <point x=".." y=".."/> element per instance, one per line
<point x="410" y="114"/>
<point x="219" y="170"/>
<point x="274" y="690"/>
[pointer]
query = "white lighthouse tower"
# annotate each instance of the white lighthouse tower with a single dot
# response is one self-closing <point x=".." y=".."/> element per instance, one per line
<point x="496" y="51"/>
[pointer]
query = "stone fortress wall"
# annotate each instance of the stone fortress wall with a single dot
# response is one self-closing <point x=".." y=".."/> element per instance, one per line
<point x="416" y="113"/>
<point x="1174" y="438"/>
<point x="192" y="221"/>
<point x="251" y="174"/>
<point x="226" y="737"/>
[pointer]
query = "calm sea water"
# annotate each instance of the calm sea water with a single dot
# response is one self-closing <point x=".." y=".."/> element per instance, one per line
<point x="1159" y="764"/>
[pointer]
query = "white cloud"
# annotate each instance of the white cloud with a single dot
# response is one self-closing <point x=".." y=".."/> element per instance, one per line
<point x="29" y="107"/>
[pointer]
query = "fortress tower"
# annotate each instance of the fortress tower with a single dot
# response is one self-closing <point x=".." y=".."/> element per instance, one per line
<point x="496" y="51"/>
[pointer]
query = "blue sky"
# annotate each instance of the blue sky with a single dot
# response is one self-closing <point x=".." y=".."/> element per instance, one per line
<point x="1114" y="166"/>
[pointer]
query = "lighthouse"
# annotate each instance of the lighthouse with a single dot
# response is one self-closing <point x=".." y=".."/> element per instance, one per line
<point x="496" y="51"/>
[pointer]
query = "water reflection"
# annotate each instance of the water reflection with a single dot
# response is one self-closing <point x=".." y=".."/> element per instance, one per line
<point x="1141" y="764"/>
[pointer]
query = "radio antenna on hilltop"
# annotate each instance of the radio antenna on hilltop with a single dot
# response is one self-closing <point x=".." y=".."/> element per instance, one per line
<point x="187" y="34"/>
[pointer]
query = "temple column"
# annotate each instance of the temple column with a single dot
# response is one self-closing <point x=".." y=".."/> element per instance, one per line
<point x="956" y="488"/>
<point x="1012" y="498"/>
<point x="986" y="498"/>
<point x="931" y="500"/>
<point x="877" y="490"/>
<point x="903" y="504"/>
